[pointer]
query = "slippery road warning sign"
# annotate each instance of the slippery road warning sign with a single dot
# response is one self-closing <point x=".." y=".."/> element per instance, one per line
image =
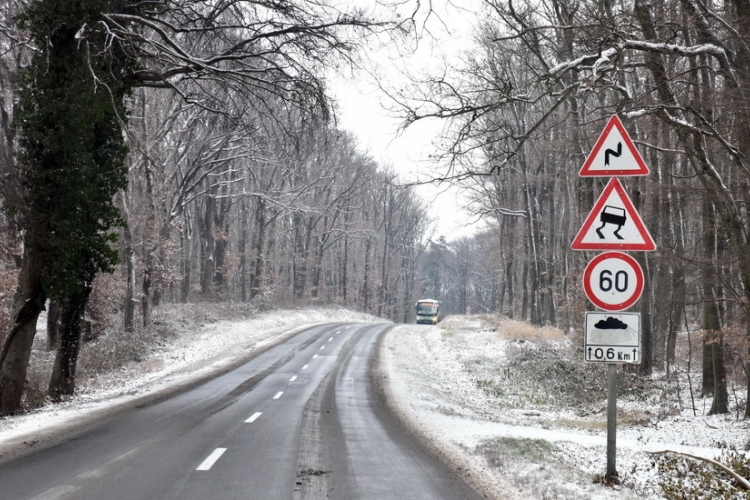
<point x="613" y="224"/>
<point x="614" y="154"/>
<point x="612" y="337"/>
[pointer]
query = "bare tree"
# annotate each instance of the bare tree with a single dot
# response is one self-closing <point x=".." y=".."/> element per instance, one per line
<point x="530" y="101"/>
<point x="250" y="49"/>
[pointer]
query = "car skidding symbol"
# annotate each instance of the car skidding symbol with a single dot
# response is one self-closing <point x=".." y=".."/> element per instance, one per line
<point x="612" y="215"/>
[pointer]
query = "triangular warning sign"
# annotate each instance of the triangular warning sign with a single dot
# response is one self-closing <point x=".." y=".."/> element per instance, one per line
<point x="613" y="224"/>
<point x="614" y="154"/>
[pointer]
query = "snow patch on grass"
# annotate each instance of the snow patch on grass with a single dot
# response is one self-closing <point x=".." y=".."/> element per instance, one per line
<point x="520" y="406"/>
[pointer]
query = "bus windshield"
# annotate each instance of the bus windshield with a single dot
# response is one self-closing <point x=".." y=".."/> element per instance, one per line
<point x="427" y="308"/>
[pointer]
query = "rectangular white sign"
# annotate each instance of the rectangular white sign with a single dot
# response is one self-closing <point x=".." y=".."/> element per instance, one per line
<point x="612" y="337"/>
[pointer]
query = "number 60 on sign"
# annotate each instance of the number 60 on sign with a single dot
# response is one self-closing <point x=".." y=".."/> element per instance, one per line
<point x="613" y="281"/>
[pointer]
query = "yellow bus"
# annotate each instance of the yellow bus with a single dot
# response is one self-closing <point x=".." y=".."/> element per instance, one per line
<point x="427" y="311"/>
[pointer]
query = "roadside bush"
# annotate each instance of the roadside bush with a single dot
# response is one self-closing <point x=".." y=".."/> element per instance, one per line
<point x="567" y="380"/>
<point x="684" y="478"/>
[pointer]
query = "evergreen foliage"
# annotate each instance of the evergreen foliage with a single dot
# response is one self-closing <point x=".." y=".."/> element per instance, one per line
<point x="72" y="145"/>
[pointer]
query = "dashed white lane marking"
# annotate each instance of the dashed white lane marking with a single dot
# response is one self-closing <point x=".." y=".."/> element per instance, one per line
<point x="211" y="459"/>
<point x="315" y="356"/>
<point x="305" y="367"/>
<point x="330" y="339"/>
<point x="293" y="378"/>
<point x="338" y="332"/>
<point x="56" y="492"/>
<point x="278" y="395"/>
<point x="322" y="347"/>
<point x="254" y="417"/>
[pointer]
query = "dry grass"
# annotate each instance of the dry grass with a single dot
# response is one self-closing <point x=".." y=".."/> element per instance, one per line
<point x="583" y="425"/>
<point x="511" y="329"/>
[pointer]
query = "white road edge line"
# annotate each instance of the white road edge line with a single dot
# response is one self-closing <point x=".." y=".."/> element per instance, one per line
<point x="278" y="395"/>
<point x="293" y="378"/>
<point x="211" y="459"/>
<point x="254" y="417"/>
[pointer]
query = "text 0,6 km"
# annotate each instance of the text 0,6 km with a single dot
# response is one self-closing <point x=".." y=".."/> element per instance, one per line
<point x="613" y="354"/>
<point x="613" y="281"/>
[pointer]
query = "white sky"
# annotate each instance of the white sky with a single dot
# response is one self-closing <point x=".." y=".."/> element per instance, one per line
<point x="362" y="111"/>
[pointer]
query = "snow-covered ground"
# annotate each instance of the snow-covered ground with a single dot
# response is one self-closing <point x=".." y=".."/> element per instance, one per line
<point x="514" y="408"/>
<point x="507" y="405"/>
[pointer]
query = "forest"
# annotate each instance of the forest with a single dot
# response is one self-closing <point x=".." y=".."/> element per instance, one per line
<point x="186" y="151"/>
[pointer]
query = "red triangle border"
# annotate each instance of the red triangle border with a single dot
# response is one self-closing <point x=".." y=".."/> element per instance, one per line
<point x="613" y="122"/>
<point x="614" y="185"/>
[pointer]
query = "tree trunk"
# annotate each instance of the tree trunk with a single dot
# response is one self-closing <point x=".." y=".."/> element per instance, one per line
<point x="318" y="254"/>
<point x="257" y="268"/>
<point x="679" y="285"/>
<point x="720" y="404"/>
<point x="63" y="379"/>
<point x="221" y="244"/>
<point x="187" y="266"/>
<point x="53" y="325"/>
<point x="344" y="269"/>
<point x="366" y="277"/>
<point x="130" y="287"/>
<point x="146" y="288"/>
<point x="301" y="249"/>
<point x="243" y="251"/>
<point x="208" y="245"/>
<point x="711" y="319"/>
<point x="14" y="358"/>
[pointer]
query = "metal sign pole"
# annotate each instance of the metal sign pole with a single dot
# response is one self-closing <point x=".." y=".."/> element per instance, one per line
<point x="611" y="423"/>
<point x="613" y="281"/>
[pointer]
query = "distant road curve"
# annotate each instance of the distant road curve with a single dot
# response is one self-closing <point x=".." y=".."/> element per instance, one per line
<point x="302" y="420"/>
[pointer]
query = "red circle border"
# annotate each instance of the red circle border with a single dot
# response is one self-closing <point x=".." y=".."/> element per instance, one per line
<point x="622" y="305"/>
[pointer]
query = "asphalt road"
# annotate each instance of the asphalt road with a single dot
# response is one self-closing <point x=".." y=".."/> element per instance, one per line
<point x="303" y="420"/>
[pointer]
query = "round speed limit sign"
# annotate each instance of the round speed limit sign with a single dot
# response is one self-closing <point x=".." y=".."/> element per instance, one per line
<point x="613" y="281"/>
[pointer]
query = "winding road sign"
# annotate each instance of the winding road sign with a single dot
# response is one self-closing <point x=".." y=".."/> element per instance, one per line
<point x="613" y="224"/>
<point x="614" y="154"/>
<point x="613" y="281"/>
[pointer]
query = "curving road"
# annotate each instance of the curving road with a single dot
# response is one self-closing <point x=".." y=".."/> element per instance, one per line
<point x="302" y="420"/>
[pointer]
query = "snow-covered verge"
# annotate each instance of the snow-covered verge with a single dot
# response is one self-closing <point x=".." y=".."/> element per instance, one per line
<point x="187" y="346"/>
<point x="519" y="413"/>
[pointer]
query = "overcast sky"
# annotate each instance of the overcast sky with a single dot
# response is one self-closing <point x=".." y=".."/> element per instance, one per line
<point x="362" y="110"/>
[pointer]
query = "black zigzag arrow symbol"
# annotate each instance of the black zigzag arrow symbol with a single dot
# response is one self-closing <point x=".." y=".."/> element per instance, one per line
<point x="612" y="152"/>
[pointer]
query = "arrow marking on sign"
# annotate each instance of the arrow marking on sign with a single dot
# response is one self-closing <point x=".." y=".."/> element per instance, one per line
<point x="612" y="337"/>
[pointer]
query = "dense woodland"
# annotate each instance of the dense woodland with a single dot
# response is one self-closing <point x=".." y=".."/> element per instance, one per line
<point x="183" y="152"/>
<point x="228" y="179"/>
<point x="527" y="107"/>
